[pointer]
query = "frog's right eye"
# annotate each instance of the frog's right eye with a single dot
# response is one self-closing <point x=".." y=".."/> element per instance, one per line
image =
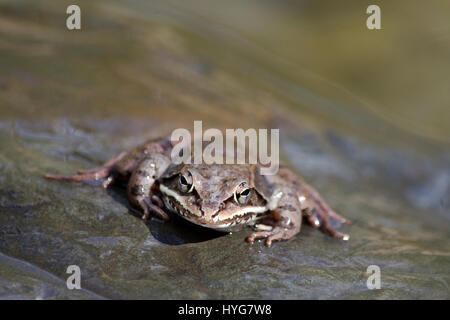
<point x="186" y="183"/>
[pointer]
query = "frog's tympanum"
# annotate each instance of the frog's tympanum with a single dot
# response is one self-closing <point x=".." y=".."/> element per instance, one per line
<point x="218" y="196"/>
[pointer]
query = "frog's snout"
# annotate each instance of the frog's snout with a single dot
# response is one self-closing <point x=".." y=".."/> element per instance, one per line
<point x="210" y="209"/>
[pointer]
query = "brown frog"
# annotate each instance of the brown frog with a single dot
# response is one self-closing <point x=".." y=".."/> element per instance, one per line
<point x="217" y="196"/>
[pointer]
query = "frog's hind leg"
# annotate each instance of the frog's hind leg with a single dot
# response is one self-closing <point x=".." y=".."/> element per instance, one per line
<point x="315" y="209"/>
<point x="326" y="226"/>
<point x="318" y="214"/>
<point x="99" y="174"/>
<point x="320" y="205"/>
<point x="103" y="172"/>
<point x="107" y="165"/>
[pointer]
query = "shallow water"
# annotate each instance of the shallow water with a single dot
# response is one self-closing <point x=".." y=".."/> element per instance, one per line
<point x="362" y="117"/>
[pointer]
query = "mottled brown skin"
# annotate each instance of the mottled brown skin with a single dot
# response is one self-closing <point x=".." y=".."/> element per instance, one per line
<point x="221" y="197"/>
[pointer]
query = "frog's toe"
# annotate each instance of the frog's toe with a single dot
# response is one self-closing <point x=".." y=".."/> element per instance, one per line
<point x="334" y="233"/>
<point x="276" y="234"/>
<point x="263" y="227"/>
<point x="338" y="217"/>
<point x="312" y="219"/>
<point x="258" y="235"/>
<point x="108" y="181"/>
<point x="104" y="173"/>
<point x="150" y="207"/>
<point x="282" y="234"/>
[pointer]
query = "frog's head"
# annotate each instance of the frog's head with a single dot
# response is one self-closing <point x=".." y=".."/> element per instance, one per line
<point x="214" y="196"/>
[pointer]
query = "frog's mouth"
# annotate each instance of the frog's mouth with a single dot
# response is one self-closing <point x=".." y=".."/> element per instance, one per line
<point x="222" y="219"/>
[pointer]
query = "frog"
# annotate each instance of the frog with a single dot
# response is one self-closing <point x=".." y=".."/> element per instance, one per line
<point x="222" y="197"/>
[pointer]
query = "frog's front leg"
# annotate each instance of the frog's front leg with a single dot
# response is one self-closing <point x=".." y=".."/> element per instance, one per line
<point x="285" y="219"/>
<point x="141" y="185"/>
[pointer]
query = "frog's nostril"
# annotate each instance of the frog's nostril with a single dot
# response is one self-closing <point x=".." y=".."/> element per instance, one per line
<point x="216" y="214"/>
<point x="209" y="209"/>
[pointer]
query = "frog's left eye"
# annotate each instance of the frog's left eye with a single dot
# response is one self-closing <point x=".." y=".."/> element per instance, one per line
<point x="243" y="196"/>
<point x="186" y="183"/>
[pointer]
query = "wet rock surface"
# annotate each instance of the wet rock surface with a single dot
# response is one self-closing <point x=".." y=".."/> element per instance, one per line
<point x="72" y="102"/>
<point x="53" y="224"/>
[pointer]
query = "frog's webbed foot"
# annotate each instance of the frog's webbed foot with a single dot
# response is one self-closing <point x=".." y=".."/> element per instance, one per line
<point x="103" y="172"/>
<point x="148" y="207"/>
<point x="318" y="207"/>
<point x="325" y="225"/>
<point x="283" y="224"/>
<point x="271" y="234"/>
<point x="319" y="215"/>
<point x="332" y="214"/>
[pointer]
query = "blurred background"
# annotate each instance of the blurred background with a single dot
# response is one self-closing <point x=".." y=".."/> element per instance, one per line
<point x="363" y="115"/>
<point x="311" y="55"/>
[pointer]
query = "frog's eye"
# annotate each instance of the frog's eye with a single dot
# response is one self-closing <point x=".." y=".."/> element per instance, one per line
<point x="185" y="183"/>
<point x="242" y="197"/>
